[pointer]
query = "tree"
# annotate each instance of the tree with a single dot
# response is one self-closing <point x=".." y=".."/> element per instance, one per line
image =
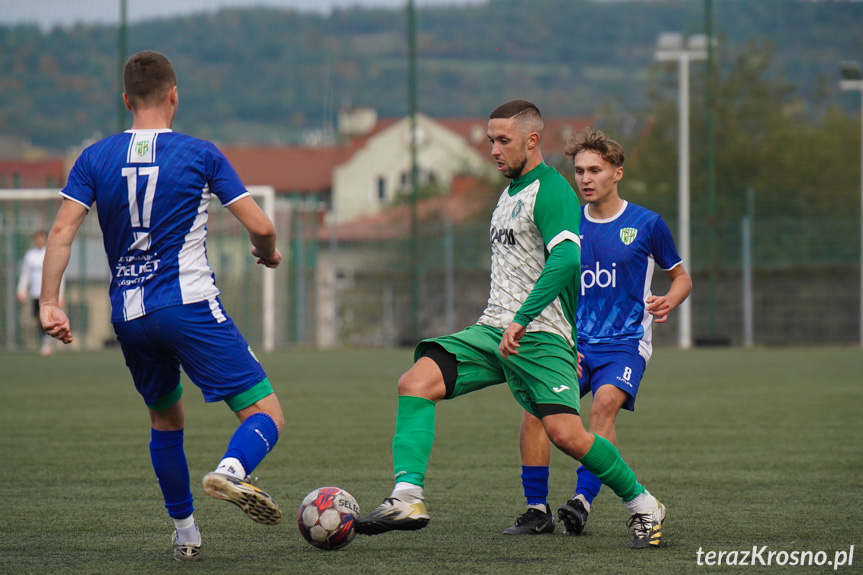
<point x="765" y="140"/>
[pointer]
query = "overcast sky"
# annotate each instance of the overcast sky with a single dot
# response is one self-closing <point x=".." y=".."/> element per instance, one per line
<point x="49" y="13"/>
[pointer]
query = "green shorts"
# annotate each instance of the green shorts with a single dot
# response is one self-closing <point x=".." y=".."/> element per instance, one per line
<point x="541" y="377"/>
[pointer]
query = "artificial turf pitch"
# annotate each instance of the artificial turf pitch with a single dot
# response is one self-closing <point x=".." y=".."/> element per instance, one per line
<point x="746" y="448"/>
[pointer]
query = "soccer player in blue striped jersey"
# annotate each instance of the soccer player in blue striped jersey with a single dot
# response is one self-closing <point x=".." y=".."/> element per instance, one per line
<point x="621" y="244"/>
<point x="153" y="188"/>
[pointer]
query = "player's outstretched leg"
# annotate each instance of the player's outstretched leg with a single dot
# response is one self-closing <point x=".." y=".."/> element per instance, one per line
<point x="396" y="513"/>
<point x="404" y="509"/>
<point x="532" y="522"/>
<point x="251" y="442"/>
<point x="256" y="504"/>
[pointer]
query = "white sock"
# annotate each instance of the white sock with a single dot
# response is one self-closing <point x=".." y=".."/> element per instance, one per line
<point x="232" y="466"/>
<point x="187" y="530"/>
<point x="584" y="502"/>
<point x="642" y="503"/>
<point x="404" y="490"/>
<point x="539" y="507"/>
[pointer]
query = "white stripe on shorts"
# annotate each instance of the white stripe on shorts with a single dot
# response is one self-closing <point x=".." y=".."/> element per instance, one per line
<point x="216" y="310"/>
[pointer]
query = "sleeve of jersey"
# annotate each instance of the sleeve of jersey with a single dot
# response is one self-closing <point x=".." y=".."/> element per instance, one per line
<point x="563" y="263"/>
<point x="225" y="182"/>
<point x="79" y="187"/>
<point x="662" y="246"/>
<point x="557" y="214"/>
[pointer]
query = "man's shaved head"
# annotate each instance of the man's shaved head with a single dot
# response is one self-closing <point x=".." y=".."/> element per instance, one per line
<point x="525" y="113"/>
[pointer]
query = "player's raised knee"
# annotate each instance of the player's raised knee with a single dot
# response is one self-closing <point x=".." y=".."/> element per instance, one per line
<point x="424" y="379"/>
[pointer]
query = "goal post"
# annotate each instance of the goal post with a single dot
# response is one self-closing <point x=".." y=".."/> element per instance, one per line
<point x="24" y="211"/>
<point x="267" y="195"/>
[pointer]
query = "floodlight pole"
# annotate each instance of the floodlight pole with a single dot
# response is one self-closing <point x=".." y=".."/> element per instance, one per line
<point x="414" y="242"/>
<point x="857" y="84"/>
<point x="123" y="48"/>
<point x="671" y="48"/>
<point x="710" y="166"/>
<point x="683" y="198"/>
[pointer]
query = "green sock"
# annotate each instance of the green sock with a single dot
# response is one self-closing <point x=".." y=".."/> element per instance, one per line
<point x="604" y="461"/>
<point x="412" y="443"/>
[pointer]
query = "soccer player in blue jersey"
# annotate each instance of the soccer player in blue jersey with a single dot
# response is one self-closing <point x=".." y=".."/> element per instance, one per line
<point x="525" y="337"/>
<point x="621" y="243"/>
<point x="153" y="188"/>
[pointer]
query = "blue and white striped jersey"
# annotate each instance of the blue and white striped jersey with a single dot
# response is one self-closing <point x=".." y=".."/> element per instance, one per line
<point x="618" y="256"/>
<point x="152" y="189"/>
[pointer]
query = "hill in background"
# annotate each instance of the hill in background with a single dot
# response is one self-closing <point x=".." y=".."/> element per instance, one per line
<point x="269" y="76"/>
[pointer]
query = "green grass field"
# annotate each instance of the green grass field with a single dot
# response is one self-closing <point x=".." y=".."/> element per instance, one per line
<point x="761" y="447"/>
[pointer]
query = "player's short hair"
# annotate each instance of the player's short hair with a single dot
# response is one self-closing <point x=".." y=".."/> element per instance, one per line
<point x="521" y="110"/>
<point x="595" y="141"/>
<point x="147" y="77"/>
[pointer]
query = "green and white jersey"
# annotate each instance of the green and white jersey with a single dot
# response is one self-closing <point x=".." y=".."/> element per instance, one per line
<point x="535" y="213"/>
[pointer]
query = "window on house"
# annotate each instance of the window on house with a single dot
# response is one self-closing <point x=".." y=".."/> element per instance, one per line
<point x="382" y="189"/>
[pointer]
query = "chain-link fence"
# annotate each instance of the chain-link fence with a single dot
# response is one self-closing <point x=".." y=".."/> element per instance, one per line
<point x="803" y="287"/>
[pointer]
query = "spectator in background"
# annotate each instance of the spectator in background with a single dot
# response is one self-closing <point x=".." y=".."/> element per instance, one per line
<point x="30" y="284"/>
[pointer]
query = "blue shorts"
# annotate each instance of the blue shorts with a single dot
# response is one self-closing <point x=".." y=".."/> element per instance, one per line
<point x="617" y="364"/>
<point x="202" y="339"/>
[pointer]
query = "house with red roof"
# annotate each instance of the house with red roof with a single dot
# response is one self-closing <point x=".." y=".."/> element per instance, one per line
<point x="369" y="167"/>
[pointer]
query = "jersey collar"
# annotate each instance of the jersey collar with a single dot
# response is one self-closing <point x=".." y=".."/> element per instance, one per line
<point x="521" y="182"/>
<point x="606" y="220"/>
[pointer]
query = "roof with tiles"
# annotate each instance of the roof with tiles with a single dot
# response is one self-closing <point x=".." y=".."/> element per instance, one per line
<point x="468" y="198"/>
<point x="309" y="170"/>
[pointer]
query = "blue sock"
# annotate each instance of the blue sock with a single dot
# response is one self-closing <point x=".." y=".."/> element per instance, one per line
<point x="588" y="484"/>
<point x="169" y="463"/>
<point x="534" y="479"/>
<point x="253" y="440"/>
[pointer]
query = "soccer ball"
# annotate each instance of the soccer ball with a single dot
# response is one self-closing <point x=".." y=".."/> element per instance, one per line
<point x="327" y="516"/>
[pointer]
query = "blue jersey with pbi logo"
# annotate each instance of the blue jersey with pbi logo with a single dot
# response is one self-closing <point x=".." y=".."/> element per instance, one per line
<point x="152" y="189"/>
<point x="618" y="256"/>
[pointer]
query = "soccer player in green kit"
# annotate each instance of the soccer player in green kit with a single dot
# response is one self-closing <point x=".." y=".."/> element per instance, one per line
<point x="525" y="337"/>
